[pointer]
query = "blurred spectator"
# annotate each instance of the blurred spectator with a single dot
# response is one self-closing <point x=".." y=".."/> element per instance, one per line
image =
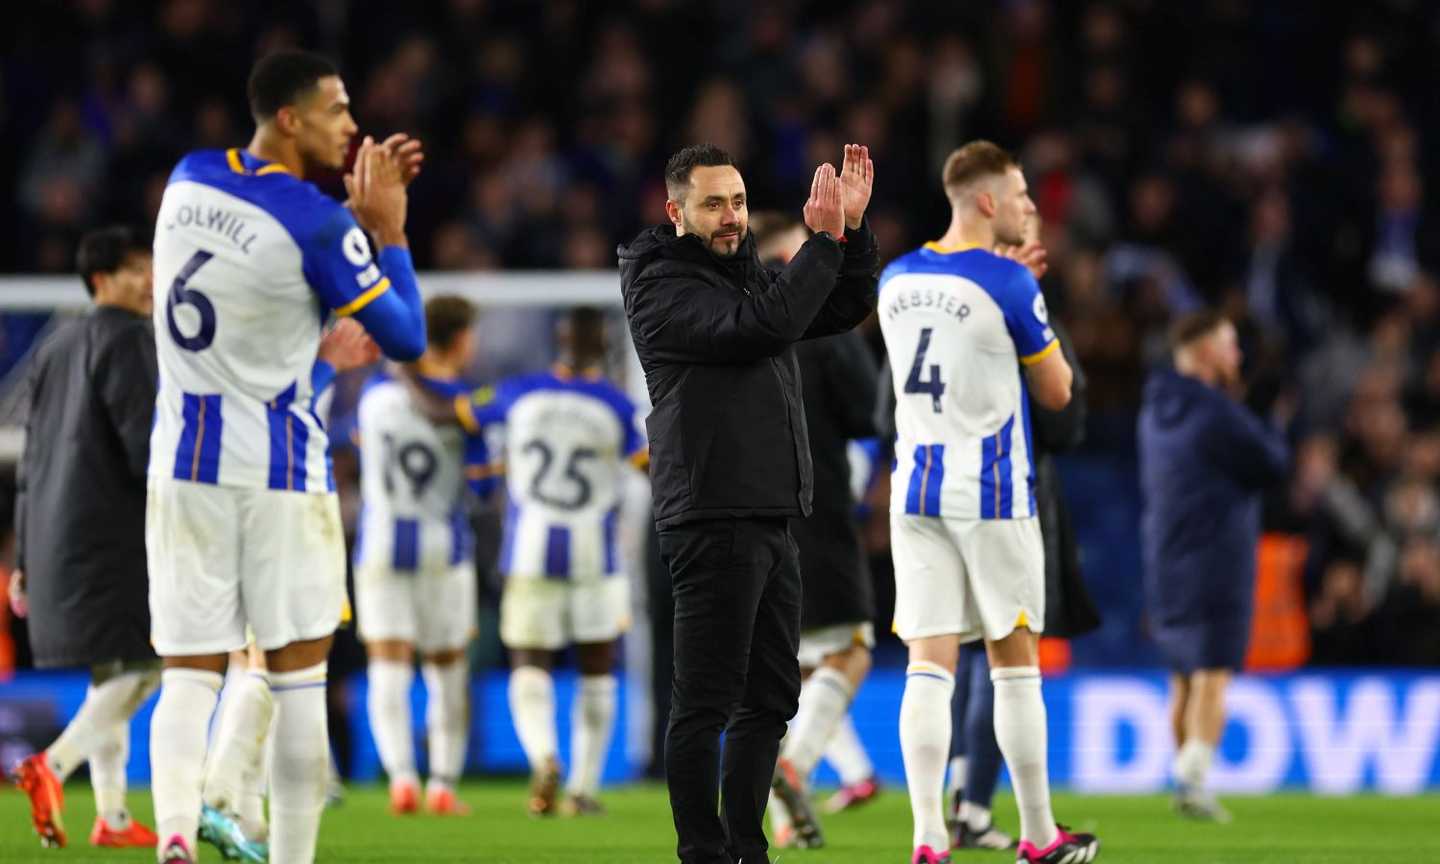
<point x="1173" y="167"/>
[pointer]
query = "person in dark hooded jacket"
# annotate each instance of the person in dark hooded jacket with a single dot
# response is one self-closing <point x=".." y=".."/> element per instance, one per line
<point x="80" y="572"/>
<point x="1204" y="460"/>
<point x="730" y="465"/>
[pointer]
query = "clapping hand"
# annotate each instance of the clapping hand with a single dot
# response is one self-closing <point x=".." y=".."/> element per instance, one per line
<point x="407" y="152"/>
<point x="825" y="211"/>
<point x="377" y="192"/>
<point x="857" y="176"/>
<point x="347" y="346"/>
<point x="1032" y="256"/>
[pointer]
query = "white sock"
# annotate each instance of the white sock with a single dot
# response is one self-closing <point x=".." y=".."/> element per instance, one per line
<point x="447" y="718"/>
<point x="846" y="754"/>
<point x="251" y="813"/>
<point x="107" y="775"/>
<point x="824" y="699"/>
<point x="592" y="722"/>
<point x="177" y="750"/>
<point x="390" y="721"/>
<point x="1020" y="731"/>
<point x="532" y="705"/>
<point x="1192" y="763"/>
<point x="239" y="740"/>
<point x="110" y="702"/>
<point x="958" y="764"/>
<point x="300" y="765"/>
<point x="974" y="815"/>
<point x="925" y="744"/>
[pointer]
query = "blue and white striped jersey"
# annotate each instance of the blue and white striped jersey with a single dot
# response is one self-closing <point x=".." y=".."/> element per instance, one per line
<point x="249" y="263"/>
<point x="958" y="325"/>
<point x="413" y="476"/>
<point x="566" y="439"/>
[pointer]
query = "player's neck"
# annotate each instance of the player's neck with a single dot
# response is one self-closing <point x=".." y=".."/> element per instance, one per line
<point x="967" y="234"/>
<point x="574" y="365"/>
<point x="271" y="147"/>
<point x="430" y="366"/>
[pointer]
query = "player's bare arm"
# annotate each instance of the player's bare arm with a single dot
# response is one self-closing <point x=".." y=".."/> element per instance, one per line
<point x="1049" y="379"/>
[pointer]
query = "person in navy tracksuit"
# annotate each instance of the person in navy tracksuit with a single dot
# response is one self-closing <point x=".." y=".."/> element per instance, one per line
<point x="1204" y="461"/>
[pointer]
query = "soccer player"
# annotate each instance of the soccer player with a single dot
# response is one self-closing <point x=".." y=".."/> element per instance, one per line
<point x="415" y="581"/>
<point x="568" y="434"/>
<point x="243" y="525"/>
<point x="959" y="321"/>
<point x="232" y="817"/>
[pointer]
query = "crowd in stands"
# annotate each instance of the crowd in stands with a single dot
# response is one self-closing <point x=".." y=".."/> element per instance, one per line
<point x="1227" y="153"/>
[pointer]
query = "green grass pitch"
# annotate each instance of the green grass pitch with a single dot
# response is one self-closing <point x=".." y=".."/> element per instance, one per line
<point x="1273" y="829"/>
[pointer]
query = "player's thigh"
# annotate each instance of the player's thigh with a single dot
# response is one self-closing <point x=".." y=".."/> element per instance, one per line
<point x="445" y="609"/>
<point x="533" y="612"/>
<point x="930" y="579"/>
<point x="292" y="566"/>
<point x="385" y="604"/>
<point x="598" y="609"/>
<point x="192" y="552"/>
<point x="822" y="642"/>
<point x="1005" y="559"/>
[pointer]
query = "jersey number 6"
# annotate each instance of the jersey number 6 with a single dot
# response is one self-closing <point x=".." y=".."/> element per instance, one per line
<point x="182" y="296"/>
<point x="916" y="383"/>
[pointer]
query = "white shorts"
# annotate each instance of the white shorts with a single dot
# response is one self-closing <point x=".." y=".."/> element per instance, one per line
<point x="549" y="614"/>
<point x="434" y="610"/>
<point x="976" y="578"/>
<point x="816" y="645"/>
<point x="221" y="558"/>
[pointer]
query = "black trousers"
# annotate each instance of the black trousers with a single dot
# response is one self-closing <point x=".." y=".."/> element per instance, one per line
<point x="736" y="584"/>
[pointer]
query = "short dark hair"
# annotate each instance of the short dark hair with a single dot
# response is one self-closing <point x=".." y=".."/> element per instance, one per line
<point x="677" y="170"/>
<point x="1194" y="326"/>
<point x="446" y="317"/>
<point x="975" y="160"/>
<point x="104" y="250"/>
<point x="281" y="78"/>
<point x="582" y="334"/>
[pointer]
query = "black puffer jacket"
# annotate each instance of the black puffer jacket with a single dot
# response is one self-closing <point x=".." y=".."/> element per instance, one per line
<point x="714" y="335"/>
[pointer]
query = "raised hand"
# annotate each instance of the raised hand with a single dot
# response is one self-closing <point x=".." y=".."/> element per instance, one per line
<point x="377" y="193"/>
<point x="407" y="152"/>
<point x="347" y="346"/>
<point x="857" y="175"/>
<point x="1032" y="256"/>
<point x="825" y="210"/>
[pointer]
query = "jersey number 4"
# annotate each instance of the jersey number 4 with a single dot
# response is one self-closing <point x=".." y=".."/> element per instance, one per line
<point x="917" y="383"/>
<point x="182" y="296"/>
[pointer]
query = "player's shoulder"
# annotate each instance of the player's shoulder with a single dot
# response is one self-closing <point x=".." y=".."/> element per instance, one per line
<point x="973" y="263"/>
<point x="306" y="212"/>
<point x="380" y="388"/>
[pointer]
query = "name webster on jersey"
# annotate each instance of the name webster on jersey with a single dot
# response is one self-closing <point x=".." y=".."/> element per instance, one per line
<point x="216" y="220"/>
<point x="928" y="298"/>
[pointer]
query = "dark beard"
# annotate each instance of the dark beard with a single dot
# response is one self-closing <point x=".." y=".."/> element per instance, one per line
<point x="739" y="244"/>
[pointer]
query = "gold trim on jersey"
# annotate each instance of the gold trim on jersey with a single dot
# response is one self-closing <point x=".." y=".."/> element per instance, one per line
<point x="364" y="299"/>
<point x="950" y="250"/>
<point x="1032" y="359"/>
